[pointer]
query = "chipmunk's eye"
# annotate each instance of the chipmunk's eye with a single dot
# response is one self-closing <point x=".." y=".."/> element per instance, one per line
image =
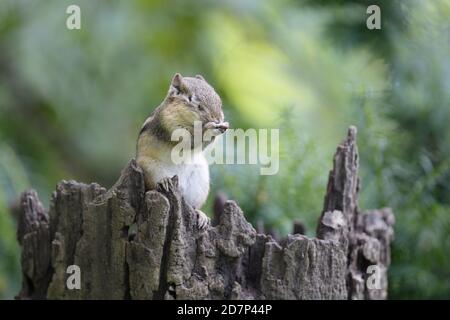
<point x="177" y="90"/>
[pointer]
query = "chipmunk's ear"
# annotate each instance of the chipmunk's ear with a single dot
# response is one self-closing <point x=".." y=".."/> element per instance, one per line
<point x="177" y="86"/>
<point x="198" y="76"/>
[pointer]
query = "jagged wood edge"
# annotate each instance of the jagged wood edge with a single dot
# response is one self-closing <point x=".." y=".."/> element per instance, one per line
<point x="132" y="244"/>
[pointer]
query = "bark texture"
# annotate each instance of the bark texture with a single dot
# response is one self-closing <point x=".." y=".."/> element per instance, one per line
<point x="133" y="244"/>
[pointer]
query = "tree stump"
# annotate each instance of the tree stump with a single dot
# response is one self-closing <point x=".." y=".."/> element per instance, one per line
<point x="133" y="244"/>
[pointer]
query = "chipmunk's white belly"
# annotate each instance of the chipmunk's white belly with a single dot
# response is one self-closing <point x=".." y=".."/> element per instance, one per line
<point x="193" y="178"/>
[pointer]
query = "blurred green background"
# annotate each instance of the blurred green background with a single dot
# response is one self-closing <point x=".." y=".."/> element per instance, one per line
<point x="72" y="103"/>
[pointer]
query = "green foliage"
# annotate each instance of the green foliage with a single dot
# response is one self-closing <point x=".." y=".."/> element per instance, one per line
<point x="13" y="179"/>
<point x="72" y="102"/>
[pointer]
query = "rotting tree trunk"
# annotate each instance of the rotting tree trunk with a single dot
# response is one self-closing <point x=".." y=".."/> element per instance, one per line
<point x="132" y="244"/>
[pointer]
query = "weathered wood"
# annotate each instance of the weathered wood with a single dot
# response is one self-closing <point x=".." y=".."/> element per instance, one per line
<point x="132" y="244"/>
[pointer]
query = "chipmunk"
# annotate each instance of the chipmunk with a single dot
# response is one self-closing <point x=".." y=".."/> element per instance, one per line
<point x="189" y="99"/>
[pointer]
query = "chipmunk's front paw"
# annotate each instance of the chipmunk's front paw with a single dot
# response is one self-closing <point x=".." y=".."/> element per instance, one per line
<point x="202" y="219"/>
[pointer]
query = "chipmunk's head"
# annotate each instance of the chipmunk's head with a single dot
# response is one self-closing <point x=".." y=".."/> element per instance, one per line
<point x="193" y="99"/>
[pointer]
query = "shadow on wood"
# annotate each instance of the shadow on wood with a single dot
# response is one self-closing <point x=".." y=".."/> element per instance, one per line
<point x="132" y="244"/>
